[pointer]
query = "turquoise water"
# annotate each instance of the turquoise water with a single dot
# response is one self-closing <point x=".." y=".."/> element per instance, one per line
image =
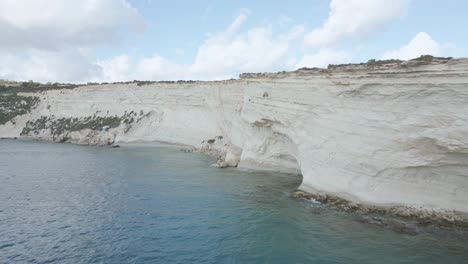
<point x="63" y="203"/>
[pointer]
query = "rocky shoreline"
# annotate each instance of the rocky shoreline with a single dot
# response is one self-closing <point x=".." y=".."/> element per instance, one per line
<point x="383" y="216"/>
<point x="401" y="219"/>
<point x="384" y="132"/>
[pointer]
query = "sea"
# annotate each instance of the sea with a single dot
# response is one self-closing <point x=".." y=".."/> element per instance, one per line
<point x="153" y="203"/>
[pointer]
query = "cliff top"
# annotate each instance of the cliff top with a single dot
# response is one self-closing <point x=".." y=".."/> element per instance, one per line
<point x="370" y="66"/>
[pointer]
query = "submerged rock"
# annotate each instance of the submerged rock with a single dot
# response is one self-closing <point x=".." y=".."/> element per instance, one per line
<point x="389" y="223"/>
<point x="382" y="215"/>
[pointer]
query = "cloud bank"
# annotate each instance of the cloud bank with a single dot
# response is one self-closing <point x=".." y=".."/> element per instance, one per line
<point x="222" y="55"/>
<point x="55" y="40"/>
<point x="58" y="24"/>
<point x="421" y="44"/>
<point x="352" y="18"/>
<point x="52" y="40"/>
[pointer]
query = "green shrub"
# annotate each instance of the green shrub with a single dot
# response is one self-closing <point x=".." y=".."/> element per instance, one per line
<point x="14" y="105"/>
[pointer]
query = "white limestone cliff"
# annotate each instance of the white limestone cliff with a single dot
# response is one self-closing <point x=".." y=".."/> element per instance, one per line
<point x="386" y="134"/>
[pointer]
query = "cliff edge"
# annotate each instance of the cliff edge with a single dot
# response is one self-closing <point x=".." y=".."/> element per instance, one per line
<point x="384" y="133"/>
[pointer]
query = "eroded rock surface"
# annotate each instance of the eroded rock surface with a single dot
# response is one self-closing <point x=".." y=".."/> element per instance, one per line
<point x="382" y="133"/>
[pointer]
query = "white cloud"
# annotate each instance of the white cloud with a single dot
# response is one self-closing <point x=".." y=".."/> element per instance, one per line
<point x="222" y="55"/>
<point x="228" y="53"/>
<point x="63" y="56"/>
<point x="51" y="40"/>
<point x="323" y="58"/>
<point x="69" y="65"/>
<point x="354" y="17"/>
<point x="116" y="69"/>
<point x="56" y="43"/>
<point x="421" y="44"/>
<point x="55" y="24"/>
<point x="347" y="18"/>
<point x="124" y="68"/>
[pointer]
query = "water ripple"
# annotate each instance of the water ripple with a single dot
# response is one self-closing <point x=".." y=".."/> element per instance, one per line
<point x="159" y="205"/>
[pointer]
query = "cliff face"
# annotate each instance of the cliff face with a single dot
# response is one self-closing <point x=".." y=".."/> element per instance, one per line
<point x="385" y="134"/>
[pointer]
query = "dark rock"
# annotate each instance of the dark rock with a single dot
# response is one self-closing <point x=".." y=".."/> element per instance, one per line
<point x="395" y="217"/>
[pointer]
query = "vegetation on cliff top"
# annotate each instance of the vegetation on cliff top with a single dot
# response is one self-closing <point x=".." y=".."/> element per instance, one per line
<point x="374" y="63"/>
<point x="14" y="87"/>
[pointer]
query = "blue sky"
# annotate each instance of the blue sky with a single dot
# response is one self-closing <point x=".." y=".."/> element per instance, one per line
<point x="190" y="21"/>
<point x="116" y="40"/>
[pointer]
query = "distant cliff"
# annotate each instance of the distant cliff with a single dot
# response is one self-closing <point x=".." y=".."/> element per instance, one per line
<point x="383" y="132"/>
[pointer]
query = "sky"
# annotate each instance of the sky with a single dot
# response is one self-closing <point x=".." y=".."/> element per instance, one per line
<point x="123" y="40"/>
